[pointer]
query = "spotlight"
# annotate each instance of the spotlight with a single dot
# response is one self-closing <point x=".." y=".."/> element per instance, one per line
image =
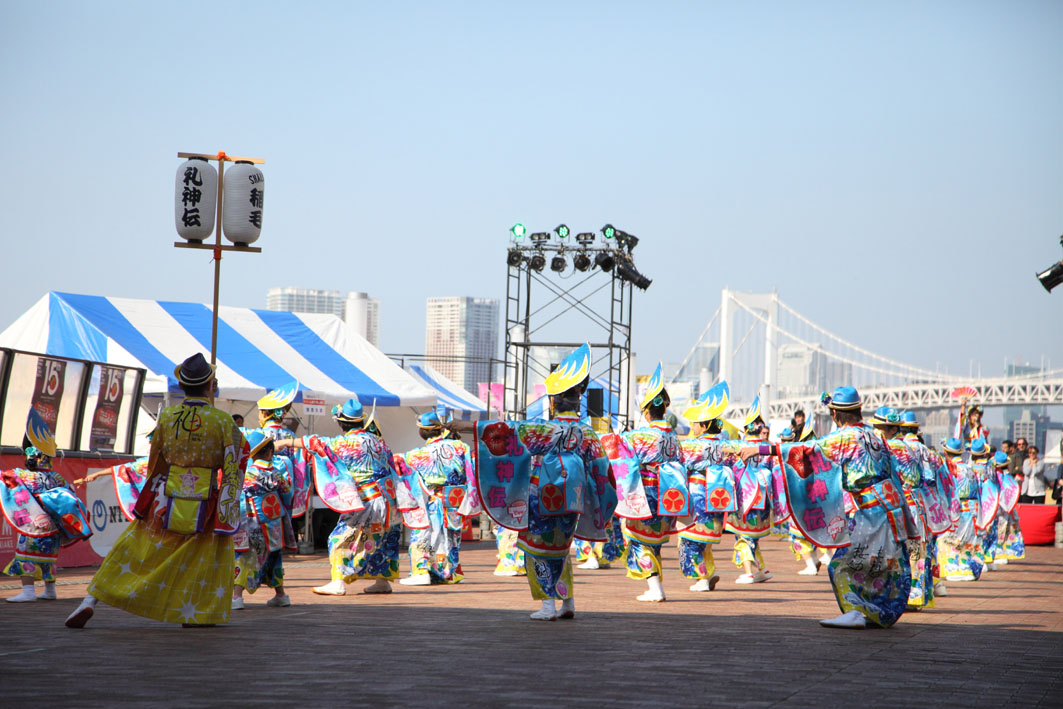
<point x="608" y="231"/>
<point x="604" y="261"/>
<point x="581" y="261"/>
<point x="518" y="231"/>
<point x="627" y="241"/>
<point x="537" y="262"/>
<point x="1053" y="275"/>
<point x="540" y="236"/>
<point x="585" y="238"/>
<point x="513" y="258"/>
<point x="562" y="231"/>
<point x="627" y="272"/>
<point x="557" y="264"/>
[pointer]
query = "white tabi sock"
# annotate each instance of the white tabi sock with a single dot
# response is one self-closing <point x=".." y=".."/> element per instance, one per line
<point x="28" y="595"/>
<point x="850" y="619"/>
<point x="568" y="609"/>
<point x="547" y="612"/>
<point x="590" y="563"/>
<point x="655" y="593"/>
<point x="49" y="591"/>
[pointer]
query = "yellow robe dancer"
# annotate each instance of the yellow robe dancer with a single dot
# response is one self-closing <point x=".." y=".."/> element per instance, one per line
<point x="175" y="562"/>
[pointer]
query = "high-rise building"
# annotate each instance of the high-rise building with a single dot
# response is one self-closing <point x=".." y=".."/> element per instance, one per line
<point x="357" y="309"/>
<point x="803" y="371"/>
<point x="461" y="337"/>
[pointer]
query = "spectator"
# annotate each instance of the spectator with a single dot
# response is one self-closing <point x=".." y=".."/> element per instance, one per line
<point x="1035" y="485"/>
<point x="797" y="423"/>
<point x="1014" y="462"/>
<point x="1021" y="448"/>
<point x="239" y="420"/>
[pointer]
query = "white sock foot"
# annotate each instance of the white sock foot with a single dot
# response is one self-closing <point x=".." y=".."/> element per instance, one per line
<point x="850" y="619"/>
<point x="282" y="601"/>
<point x="590" y="563"/>
<point x="655" y="592"/>
<point x="507" y="572"/>
<point x="811" y="567"/>
<point x="48" y="594"/>
<point x="761" y="576"/>
<point x="238" y="604"/>
<point x="418" y="580"/>
<point x="28" y="595"/>
<point x="380" y="586"/>
<point x="701" y="585"/>
<point x="568" y="609"/>
<point x="547" y="612"/>
<point x="332" y="588"/>
<point x="744" y="578"/>
<point x="1001" y="562"/>
<point x="82" y="613"/>
<point x="940" y="589"/>
<point x="825" y="559"/>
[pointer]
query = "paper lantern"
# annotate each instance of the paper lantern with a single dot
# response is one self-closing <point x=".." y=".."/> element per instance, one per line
<point x="195" y="199"/>
<point x="241" y="208"/>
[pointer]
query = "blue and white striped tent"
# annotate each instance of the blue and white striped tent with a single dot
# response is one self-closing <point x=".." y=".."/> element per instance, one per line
<point x="453" y="400"/>
<point x="258" y="350"/>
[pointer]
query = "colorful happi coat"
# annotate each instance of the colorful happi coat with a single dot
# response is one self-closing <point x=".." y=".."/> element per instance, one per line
<point x="751" y="520"/>
<point x="870" y="570"/>
<point x="709" y="461"/>
<point x="439" y="476"/>
<point x="266" y="527"/>
<point x="549" y="481"/>
<point x="299" y="464"/>
<point x="41" y="506"/>
<point x="175" y="561"/>
<point x="960" y="548"/>
<point x="354" y="475"/>
<point x="1010" y="544"/>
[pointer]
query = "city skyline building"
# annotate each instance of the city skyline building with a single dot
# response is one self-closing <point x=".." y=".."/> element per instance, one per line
<point x="360" y="312"/>
<point x="804" y="370"/>
<point x="461" y="337"/>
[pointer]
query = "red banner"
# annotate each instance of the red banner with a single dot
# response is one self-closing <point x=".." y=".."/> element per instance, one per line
<point x="48" y="389"/>
<point x="108" y="406"/>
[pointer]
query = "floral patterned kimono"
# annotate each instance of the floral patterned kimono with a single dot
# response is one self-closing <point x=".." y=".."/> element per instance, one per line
<point x="444" y="471"/>
<point x="697" y="454"/>
<point x="960" y="549"/>
<point x="365" y="543"/>
<point x="872" y="574"/>
<point x="650" y="445"/>
<point x="266" y="528"/>
<point x="35" y="557"/>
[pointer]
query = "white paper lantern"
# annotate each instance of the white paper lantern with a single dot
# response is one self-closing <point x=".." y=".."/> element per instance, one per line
<point x="195" y="199"/>
<point x="241" y="207"/>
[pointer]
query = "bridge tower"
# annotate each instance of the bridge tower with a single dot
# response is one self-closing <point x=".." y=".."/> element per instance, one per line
<point x="767" y="305"/>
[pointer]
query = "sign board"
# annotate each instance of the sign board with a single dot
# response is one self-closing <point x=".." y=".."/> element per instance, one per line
<point x="313" y="406"/>
<point x="105" y="514"/>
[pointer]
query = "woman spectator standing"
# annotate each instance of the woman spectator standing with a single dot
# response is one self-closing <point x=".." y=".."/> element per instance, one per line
<point x="1034" y="484"/>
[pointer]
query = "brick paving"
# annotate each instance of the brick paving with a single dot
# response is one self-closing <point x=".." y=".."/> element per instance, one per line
<point x="996" y="642"/>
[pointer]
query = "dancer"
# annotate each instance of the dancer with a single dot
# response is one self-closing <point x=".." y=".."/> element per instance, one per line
<point x="960" y="548"/>
<point x="41" y="506"/>
<point x="985" y="517"/>
<point x="869" y="571"/>
<point x="174" y="563"/>
<point x="549" y="480"/>
<point x="266" y="530"/>
<point x="751" y="521"/>
<point x="709" y="461"/>
<point x="441" y="474"/>
<point x="1010" y="544"/>
<point x="969" y="425"/>
<point x="353" y="475"/>
<point x="803" y="549"/>
<point x="654" y="449"/>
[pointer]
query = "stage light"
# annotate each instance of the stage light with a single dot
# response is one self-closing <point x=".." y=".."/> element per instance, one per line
<point x="605" y="262"/>
<point x="627" y="241"/>
<point x="562" y="231"/>
<point x="518" y="231"/>
<point x="608" y="231"/>
<point x="581" y="261"/>
<point x="540" y="236"/>
<point x="513" y="258"/>
<point x="537" y="262"/>
<point x="627" y="272"/>
<point x="1053" y="275"/>
<point x="586" y="237"/>
<point x="557" y="264"/>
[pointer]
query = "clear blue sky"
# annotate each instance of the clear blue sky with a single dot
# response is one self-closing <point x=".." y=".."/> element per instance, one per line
<point x="895" y="169"/>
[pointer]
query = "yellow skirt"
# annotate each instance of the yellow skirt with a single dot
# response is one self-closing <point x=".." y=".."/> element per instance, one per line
<point x="170" y="577"/>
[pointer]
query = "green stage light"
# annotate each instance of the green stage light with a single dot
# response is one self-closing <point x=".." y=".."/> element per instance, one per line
<point x="518" y="231"/>
<point x="608" y="231"/>
<point x="562" y="231"/>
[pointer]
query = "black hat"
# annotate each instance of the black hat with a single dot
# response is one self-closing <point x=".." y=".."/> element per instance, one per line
<point x="194" y="371"/>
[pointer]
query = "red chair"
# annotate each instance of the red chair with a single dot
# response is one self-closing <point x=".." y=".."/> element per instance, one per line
<point x="1038" y="523"/>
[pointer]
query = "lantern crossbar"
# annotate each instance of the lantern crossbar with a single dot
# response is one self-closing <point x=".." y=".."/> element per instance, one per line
<point x="222" y="156"/>
<point x="212" y="247"/>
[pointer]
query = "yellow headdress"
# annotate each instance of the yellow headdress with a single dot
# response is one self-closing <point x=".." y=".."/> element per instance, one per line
<point x="572" y="371"/>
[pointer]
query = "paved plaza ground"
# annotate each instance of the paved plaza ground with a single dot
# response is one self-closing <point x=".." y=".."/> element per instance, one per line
<point x="996" y="642"/>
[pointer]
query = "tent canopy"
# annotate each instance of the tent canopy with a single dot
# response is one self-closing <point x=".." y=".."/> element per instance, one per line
<point x="452" y="398"/>
<point x="258" y="350"/>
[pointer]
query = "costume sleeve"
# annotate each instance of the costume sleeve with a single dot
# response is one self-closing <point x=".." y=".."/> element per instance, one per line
<point x="318" y="445"/>
<point x="843" y="448"/>
<point x="537" y="436"/>
<point x="641" y="443"/>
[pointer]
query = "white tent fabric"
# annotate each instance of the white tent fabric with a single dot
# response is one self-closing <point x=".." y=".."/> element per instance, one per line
<point x="258" y="350"/>
<point x="452" y="398"/>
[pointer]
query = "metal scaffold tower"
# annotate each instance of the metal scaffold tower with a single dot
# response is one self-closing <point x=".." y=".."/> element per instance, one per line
<point x="586" y="277"/>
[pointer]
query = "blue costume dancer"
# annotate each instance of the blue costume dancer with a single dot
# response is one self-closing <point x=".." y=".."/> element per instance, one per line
<point x="549" y="480"/>
<point x="440" y="478"/>
<point x="1010" y="544"/>
<point x="960" y="548"/>
<point x="751" y="522"/>
<point x="39" y="504"/>
<point x="709" y="461"/>
<point x="869" y="571"/>
<point x="353" y="475"/>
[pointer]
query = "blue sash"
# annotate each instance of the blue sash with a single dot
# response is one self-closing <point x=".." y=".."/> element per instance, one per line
<point x="1009" y="492"/>
<point x="503" y="475"/>
<point x="673" y="498"/>
<point x="268" y="511"/>
<point x="989" y="501"/>
<point x="69" y="512"/>
<point x="720" y="489"/>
